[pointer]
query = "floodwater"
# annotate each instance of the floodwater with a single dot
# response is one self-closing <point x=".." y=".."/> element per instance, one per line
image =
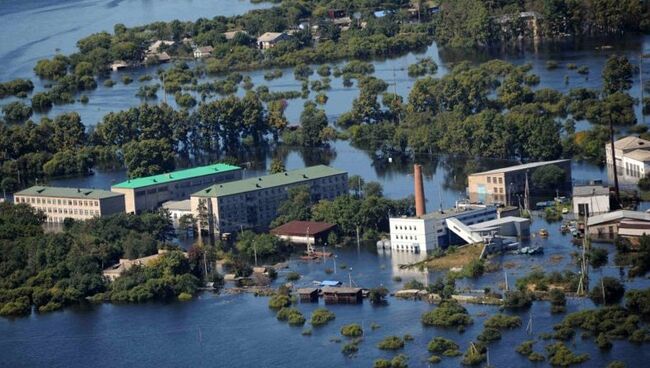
<point x="239" y="330"/>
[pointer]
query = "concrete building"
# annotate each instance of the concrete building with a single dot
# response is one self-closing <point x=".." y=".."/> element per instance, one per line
<point x="253" y="202"/>
<point x="74" y="203"/>
<point x="430" y="231"/>
<point x="203" y="51"/>
<point x="149" y="193"/>
<point x="590" y="200"/>
<point x="626" y="223"/>
<point x="270" y="39"/>
<point x="632" y="159"/>
<point x="177" y="209"/>
<point x="124" y="265"/>
<point x="503" y="185"/>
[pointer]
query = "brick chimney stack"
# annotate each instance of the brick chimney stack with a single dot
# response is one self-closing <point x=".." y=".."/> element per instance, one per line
<point x="420" y="205"/>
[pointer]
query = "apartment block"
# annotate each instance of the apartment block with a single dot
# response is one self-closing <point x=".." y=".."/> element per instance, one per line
<point x="74" y="203"/>
<point x="149" y="193"/>
<point x="253" y="202"/>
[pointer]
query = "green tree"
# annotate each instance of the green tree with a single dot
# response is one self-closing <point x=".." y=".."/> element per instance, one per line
<point x="297" y="206"/>
<point x="549" y="177"/>
<point x="148" y="157"/>
<point x="313" y="122"/>
<point x="277" y="166"/>
<point x="617" y="74"/>
<point x="16" y="112"/>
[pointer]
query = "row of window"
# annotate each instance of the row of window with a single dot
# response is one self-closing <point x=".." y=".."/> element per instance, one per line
<point x="400" y="227"/>
<point x="71" y="211"/>
<point x="491" y="180"/>
<point x="60" y="202"/>
<point x="632" y="170"/>
<point x="406" y="237"/>
<point x="403" y="247"/>
<point x="497" y="190"/>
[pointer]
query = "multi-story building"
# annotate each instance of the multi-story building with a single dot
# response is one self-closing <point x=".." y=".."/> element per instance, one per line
<point x="75" y="203"/>
<point x="632" y="159"/>
<point x="502" y="185"/>
<point x="149" y="193"/>
<point x="253" y="202"/>
<point x="430" y="231"/>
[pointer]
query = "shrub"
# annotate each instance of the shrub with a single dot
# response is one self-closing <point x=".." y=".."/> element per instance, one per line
<point x="109" y="83"/>
<point x="517" y="299"/>
<point x="293" y="276"/>
<point x="352" y="330"/>
<point x="321" y="316"/>
<point x="382" y="363"/>
<point x="350" y="348"/>
<point x="278" y="301"/>
<point x="391" y="343"/>
<point x="448" y="314"/>
<point x="184" y="297"/>
<point x="451" y="353"/>
<point x="489" y="335"/>
<point x="616" y="364"/>
<point x="501" y="321"/>
<point x="525" y="348"/>
<point x="434" y="359"/>
<point x="414" y="284"/>
<point x="552" y="64"/>
<point x="603" y="342"/>
<point x="475" y="354"/>
<point x="610" y="288"/>
<point x="536" y="357"/>
<point x="441" y="344"/>
<point x="126" y="79"/>
<point x="560" y="355"/>
<point x="296" y="319"/>
<point x="377" y="295"/>
<point x="291" y="315"/>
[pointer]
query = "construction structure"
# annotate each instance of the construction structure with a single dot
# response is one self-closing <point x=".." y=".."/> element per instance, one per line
<point x="253" y="203"/>
<point x="342" y="295"/>
<point x="632" y="159"/>
<point x="624" y="223"/>
<point x="590" y="200"/>
<point x="508" y="185"/>
<point x="59" y="203"/>
<point x="149" y="193"/>
<point x="304" y="232"/>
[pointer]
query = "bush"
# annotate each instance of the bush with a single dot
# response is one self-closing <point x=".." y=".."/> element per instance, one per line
<point x="501" y="321"/>
<point x="560" y="355"/>
<point x="448" y="314"/>
<point x="377" y="295"/>
<point x="350" y="348"/>
<point x="525" y="348"/>
<point x="603" y="342"/>
<point x="382" y="363"/>
<point x="391" y="343"/>
<point x="489" y="335"/>
<point x="352" y="330"/>
<point x="109" y="83"/>
<point x="126" y="79"/>
<point x="321" y="316"/>
<point x="184" y="297"/>
<point x="536" y="357"/>
<point x="611" y="288"/>
<point x="434" y="359"/>
<point x="278" y="301"/>
<point x="292" y="315"/>
<point x="475" y="354"/>
<point x="517" y="299"/>
<point x="441" y="344"/>
<point x="293" y="276"/>
<point x="413" y="284"/>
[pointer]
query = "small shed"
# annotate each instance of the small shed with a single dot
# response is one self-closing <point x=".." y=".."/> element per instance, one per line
<point x="303" y="232"/>
<point x="308" y="295"/>
<point x="342" y="295"/>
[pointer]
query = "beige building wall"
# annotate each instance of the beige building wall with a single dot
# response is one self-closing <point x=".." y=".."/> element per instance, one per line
<point x="58" y="209"/>
<point x="488" y="188"/>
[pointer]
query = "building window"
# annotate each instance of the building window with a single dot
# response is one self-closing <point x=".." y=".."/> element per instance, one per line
<point x="500" y="180"/>
<point x="489" y="180"/>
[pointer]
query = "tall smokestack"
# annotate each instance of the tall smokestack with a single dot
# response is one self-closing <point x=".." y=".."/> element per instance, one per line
<point x="420" y="206"/>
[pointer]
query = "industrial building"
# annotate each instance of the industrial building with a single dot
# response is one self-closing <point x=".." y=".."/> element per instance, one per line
<point x="505" y="185"/>
<point x="149" y="193"/>
<point x="590" y="200"/>
<point x="74" y="203"/>
<point x="465" y="223"/>
<point x="625" y="223"/>
<point x="632" y="159"/>
<point x="253" y="202"/>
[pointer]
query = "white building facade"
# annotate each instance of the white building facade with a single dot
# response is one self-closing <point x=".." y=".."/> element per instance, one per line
<point x="590" y="200"/>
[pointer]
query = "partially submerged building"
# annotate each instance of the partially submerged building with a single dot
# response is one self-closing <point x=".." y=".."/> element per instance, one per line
<point x="59" y="203"/>
<point x="270" y="39"/>
<point x="632" y="159"/>
<point x="304" y="232"/>
<point x="253" y="202"/>
<point x="342" y="295"/>
<point x="150" y="192"/>
<point x="625" y="223"/>
<point x="505" y="184"/>
<point x="590" y="200"/>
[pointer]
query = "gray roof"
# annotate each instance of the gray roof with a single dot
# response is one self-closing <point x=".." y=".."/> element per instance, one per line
<point x="183" y="205"/>
<point x="530" y="165"/>
<point x="450" y="212"/>
<point x="60" y="192"/>
<point x="617" y="216"/>
<point x="499" y="221"/>
<point x="590" y="190"/>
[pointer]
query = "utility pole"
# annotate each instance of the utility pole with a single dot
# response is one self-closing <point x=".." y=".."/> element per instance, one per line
<point x="611" y="141"/>
<point x="641" y="85"/>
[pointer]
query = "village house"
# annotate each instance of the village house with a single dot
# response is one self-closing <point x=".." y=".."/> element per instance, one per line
<point x="203" y="51"/>
<point x="270" y="39"/>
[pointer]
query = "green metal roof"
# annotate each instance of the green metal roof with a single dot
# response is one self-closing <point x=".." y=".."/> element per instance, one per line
<point x="194" y="172"/>
<point x="79" y="193"/>
<point x="268" y="181"/>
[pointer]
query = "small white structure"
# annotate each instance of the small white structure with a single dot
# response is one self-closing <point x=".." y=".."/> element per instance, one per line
<point x="118" y="64"/>
<point x="203" y="51"/>
<point x="590" y="200"/>
<point x="178" y="209"/>
<point x="270" y="39"/>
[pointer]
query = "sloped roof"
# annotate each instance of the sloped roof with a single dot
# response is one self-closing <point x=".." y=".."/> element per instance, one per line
<point x="617" y="216"/>
<point x="61" y="192"/>
<point x="639" y="155"/>
<point x="175" y="176"/>
<point x="301" y="228"/>
<point x="631" y="142"/>
<point x="530" y="165"/>
<point x="269" y="36"/>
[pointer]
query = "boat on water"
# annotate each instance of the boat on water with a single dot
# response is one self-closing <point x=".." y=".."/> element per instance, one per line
<point x="564" y="228"/>
<point x="565" y="211"/>
<point x="543" y="233"/>
<point x="533" y="250"/>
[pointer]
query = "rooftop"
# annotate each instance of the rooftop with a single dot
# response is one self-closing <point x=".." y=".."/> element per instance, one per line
<point x="617" y="216"/>
<point x="451" y="212"/>
<point x="499" y="221"/>
<point x="231" y="34"/>
<point x="269" y="36"/>
<point x="175" y="176"/>
<point x="177" y="205"/>
<point x="531" y="165"/>
<point x="590" y="190"/>
<point x="82" y="193"/>
<point x="341" y="290"/>
<point x="301" y="228"/>
<point x="630" y="142"/>
<point x="639" y="155"/>
<point x="268" y="181"/>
